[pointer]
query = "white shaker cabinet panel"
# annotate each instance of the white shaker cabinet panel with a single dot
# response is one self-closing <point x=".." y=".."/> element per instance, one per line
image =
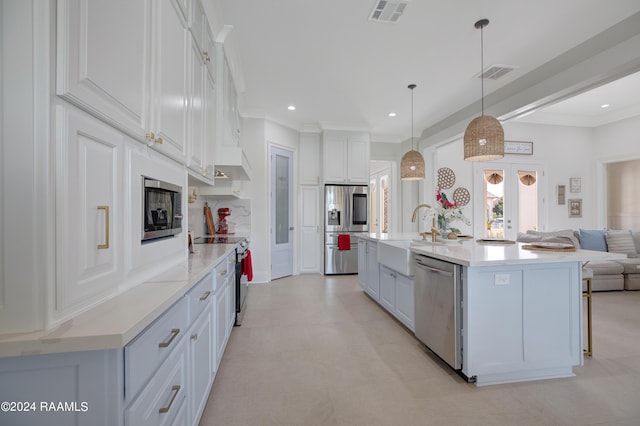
<point x="405" y="301"/>
<point x="335" y="159"/>
<point x="209" y="124"/>
<point x="103" y="60"/>
<point x="89" y="212"/>
<point x="373" y="274"/>
<point x="201" y="363"/>
<point x="310" y="245"/>
<point x="358" y="157"/>
<point x="309" y="156"/>
<point x="196" y="129"/>
<point x="346" y="157"/>
<point x="387" y="289"/>
<point x="171" y="62"/>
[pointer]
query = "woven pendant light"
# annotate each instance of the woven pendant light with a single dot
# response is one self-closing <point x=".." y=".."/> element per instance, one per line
<point x="484" y="137"/>
<point x="412" y="163"/>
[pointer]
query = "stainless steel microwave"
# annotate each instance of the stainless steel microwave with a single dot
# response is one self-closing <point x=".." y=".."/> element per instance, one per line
<point x="162" y="209"/>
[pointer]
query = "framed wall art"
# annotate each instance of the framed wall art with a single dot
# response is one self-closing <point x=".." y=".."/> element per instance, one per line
<point x="560" y="194"/>
<point x="516" y="147"/>
<point x="575" y="185"/>
<point x="575" y="207"/>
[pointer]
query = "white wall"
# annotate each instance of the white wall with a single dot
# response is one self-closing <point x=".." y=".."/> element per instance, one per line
<point x="566" y="152"/>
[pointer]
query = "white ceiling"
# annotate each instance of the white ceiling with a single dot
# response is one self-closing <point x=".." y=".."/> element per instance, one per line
<point x="341" y="70"/>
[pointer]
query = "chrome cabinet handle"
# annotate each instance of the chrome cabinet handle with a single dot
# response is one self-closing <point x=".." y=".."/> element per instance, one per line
<point x="106" y="228"/>
<point x="194" y="336"/>
<point x="205" y="295"/>
<point x="174" y="333"/>
<point x="175" y="389"/>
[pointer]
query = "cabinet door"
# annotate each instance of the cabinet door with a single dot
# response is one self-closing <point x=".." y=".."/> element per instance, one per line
<point x="358" y="165"/>
<point x="310" y="229"/>
<point x="103" y="59"/>
<point x="197" y="111"/>
<point x="231" y="117"/>
<point x="221" y="322"/>
<point x="388" y="289"/>
<point x="334" y="158"/>
<point x="201" y="365"/>
<point x="231" y="300"/>
<point x="209" y="125"/>
<point x="405" y="305"/>
<point x="89" y="217"/>
<point x="373" y="275"/>
<point x="171" y="62"/>
<point x="362" y="264"/>
<point x="309" y="155"/>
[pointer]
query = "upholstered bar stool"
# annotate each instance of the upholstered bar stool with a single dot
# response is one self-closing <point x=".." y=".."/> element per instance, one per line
<point x="587" y="276"/>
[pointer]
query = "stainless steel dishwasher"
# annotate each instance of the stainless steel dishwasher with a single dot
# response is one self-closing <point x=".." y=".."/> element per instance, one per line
<point x="437" y="307"/>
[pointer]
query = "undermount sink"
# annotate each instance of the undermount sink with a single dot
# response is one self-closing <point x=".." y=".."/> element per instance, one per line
<point x="396" y="255"/>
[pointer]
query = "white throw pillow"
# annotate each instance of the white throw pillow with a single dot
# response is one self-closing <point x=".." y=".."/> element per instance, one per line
<point x="621" y="242"/>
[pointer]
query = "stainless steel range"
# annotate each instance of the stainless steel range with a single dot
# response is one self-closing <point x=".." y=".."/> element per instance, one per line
<point x="241" y="279"/>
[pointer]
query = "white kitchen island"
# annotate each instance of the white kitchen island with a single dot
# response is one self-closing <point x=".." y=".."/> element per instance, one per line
<point x="518" y="313"/>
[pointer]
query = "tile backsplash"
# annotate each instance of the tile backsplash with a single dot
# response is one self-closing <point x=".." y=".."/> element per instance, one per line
<point x="240" y="214"/>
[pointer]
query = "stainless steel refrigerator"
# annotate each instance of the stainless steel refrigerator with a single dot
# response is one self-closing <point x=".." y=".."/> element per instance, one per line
<point x="346" y="214"/>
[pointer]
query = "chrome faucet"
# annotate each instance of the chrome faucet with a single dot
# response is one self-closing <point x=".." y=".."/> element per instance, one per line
<point x="434" y="230"/>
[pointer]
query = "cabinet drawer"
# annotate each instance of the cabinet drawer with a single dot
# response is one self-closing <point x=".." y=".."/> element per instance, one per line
<point x="147" y="351"/>
<point x="200" y="296"/>
<point x="221" y="271"/>
<point x="165" y="394"/>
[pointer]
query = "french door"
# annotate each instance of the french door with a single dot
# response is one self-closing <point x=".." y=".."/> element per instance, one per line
<point x="509" y="198"/>
<point x="281" y="213"/>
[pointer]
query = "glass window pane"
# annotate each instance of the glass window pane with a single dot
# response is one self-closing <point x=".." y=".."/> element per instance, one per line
<point x="527" y="200"/>
<point x="282" y="199"/>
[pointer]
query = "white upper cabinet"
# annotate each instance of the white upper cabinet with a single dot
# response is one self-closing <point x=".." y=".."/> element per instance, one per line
<point x="231" y="113"/>
<point x="346" y="157"/>
<point x="197" y="154"/>
<point x="171" y="61"/>
<point x="89" y="212"/>
<point x="309" y="156"/>
<point x="128" y="63"/>
<point x="103" y="52"/>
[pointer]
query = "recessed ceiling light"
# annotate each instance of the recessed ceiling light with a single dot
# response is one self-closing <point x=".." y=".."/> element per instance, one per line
<point x="291" y="107"/>
<point x="604" y="106"/>
<point x="392" y="114"/>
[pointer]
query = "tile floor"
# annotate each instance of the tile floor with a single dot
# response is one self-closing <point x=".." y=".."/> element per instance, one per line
<point x="316" y="350"/>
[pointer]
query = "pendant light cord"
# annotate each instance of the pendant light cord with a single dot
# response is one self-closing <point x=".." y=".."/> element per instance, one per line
<point x="412" y="119"/>
<point x="482" y="66"/>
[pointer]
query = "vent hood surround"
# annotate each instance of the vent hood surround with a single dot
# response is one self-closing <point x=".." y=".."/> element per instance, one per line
<point x="232" y="162"/>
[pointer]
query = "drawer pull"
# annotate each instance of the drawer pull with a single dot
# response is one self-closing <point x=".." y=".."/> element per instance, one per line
<point x="174" y="333"/>
<point x="205" y="296"/>
<point x="222" y="273"/>
<point x="175" y="389"/>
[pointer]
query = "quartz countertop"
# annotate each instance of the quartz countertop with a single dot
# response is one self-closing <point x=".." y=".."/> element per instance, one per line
<point x="471" y="253"/>
<point x="115" y="322"/>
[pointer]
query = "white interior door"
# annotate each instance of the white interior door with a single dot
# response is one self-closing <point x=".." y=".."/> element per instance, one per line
<point x="509" y="198"/>
<point x="281" y="213"/>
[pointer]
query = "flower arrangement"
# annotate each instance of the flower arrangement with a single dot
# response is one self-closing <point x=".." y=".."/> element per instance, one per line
<point x="448" y="211"/>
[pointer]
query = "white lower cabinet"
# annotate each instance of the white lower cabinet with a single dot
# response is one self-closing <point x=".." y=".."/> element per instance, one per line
<point x="161" y="399"/>
<point x="396" y="295"/>
<point x="201" y="362"/>
<point x="373" y="274"/>
<point x="387" y="288"/>
<point x="161" y="377"/>
<point x="405" y="301"/>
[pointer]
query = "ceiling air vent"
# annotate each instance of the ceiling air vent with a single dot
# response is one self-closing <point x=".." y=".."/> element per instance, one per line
<point x="388" y="11"/>
<point x="494" y="72"/>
